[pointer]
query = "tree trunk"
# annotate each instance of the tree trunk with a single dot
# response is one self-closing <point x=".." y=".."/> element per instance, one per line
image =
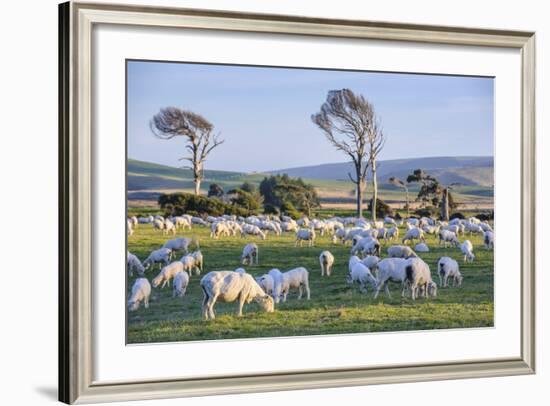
<point x="359" y="191"/>
<point x="445" y="205"/>
<point x="197" y="186"/>
<point x="407" y="199"/>
<point x="374" y="191"/>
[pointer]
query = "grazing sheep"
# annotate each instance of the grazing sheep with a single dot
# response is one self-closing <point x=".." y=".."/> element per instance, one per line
<point x="181" y="244"/>
<point x="169" y="227"/>
<point x="305" y="235"/>
<point x="192" y="262"/>
<point x="129" y="227"/>
<point x="141" y="290"/>
<point x="266" y="282"/>
<point x="370" y="262"/>
<point x="157" y="224"/>
<point x="414" y="234"/>
<point x="422" y="247"/>
<point x="277" y="277"/>
<point x="366" y="246"/>
<point x="446" y="236"/>
<point x="181" y="281"/>
<point x="297" y="278"/>
<point x="326" y="260"/>
<point x="489" y="240"/>
<point x="392" y="234"/>
<point x="250" y="254"/>
<point x="133" y="262"/>
<point x="448" y="268"/>
<point x="160" y="256"/>
<point x="419" y="277"/>
<point x="289" y="226"/>
<point x="401" y="251"/>
<point x="183" y="222"/>
<point x="249" y="229"/>
<point x="390" y="270"/>
<point x="167" y="274"/>
<point x="360" y="274"/>
<point x="227" y="286"/>
<point x="468" y="250"/>
<point x="219" y="229"/>
<point x="432" y="230"/>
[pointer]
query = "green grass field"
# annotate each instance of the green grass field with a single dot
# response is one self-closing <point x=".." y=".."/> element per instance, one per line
<point x="334" y="308"/>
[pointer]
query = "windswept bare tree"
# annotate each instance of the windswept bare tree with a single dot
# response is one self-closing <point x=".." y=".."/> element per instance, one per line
<point x="399" y="183"/>
<point x="197" y="131"/>
<point x="375" y="142"/>
<point x="350" y="124"/>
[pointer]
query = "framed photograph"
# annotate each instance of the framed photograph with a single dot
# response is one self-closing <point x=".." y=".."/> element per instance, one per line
<point x="255" y="202"/>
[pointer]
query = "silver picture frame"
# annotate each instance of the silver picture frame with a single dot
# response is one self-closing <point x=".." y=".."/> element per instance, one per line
<point x="76" y="22"/>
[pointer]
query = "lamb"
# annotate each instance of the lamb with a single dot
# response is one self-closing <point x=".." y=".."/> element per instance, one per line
<point x="141" y="290"/>
<point x="277" y="277"/>
<point x="392" y="234"/>
<point x="133" y="262"/>
<point x="266" y="283"/>
<point x="448" y="268"/>
<point x="446" y="236"/>
<point x="390" y="270"/>
<point x="181" y="281"/>
<point x="250" y="254"/>
<point x="297" y="278"/>
<point x="419" y="277"/>
<point x="192" y="262"/>
<point x="227" y="286"/>
<point x="414" y="234"/>
<point x="360" y="274"/>
<point x="305" y="235"/>
<point x="167" y="274"/>
<point x="422" y="247"/>
<point x="181" y="244"/>
<point x="467" y="249"/>
<point x="401" y="251"/>
<point x="489" y="239"/>
<point x="326" y="260"/>
<point x="162" y="255"/>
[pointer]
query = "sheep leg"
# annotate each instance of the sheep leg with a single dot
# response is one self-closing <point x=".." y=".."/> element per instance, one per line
<point x="300" y="292"/>
<point x="146" y="302"/>
<point x="205" y="305"/>
<point x="211" y="304"/>
<point x="387" y="289"/>
<point x="322" y="269"/>
<point x="241" y="304"/>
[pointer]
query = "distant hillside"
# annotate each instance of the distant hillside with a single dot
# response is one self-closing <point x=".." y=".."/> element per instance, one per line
<point x="470" y="171"/>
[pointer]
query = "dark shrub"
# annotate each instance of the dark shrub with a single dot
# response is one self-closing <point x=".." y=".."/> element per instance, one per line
<point x="270" y="209"/>
<point x="382" y="208"/>
<point x="426" y="211"/>
<point x="486" y="216"/>
<point x="288" y="209"/>
<point x="457" y="215"/>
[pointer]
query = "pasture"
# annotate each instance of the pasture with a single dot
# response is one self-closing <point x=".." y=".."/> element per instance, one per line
<point x="335" y="307"/>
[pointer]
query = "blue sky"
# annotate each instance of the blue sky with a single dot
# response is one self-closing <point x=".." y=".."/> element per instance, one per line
<point x="263" y="114"/>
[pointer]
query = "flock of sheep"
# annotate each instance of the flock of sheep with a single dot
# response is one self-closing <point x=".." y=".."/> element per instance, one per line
<point x="403" y="265"/>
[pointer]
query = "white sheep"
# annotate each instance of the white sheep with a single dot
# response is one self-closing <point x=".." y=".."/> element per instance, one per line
<point x="297" y="278"/>
<point x="468" y="250"/>
<point x="370" y="262"/>
<point x="267" y="283"/>
<point x="249" y="229"/>
<point x="419" y="277"/>
<point x="133" y="263"/>
<point x="181" y="281"/>
<point x="305" y="235"/>
<point x="366" y="246"/>
<point x="446" y="236"/>
<point x="181" y="244"/>
<point x="422" y="247"/>
<point x="448" y="268"/>
<point x="390" y="270"/>
<point x="392" y="234"/>
<point x="360" y="274"/>
<point x="192" y="262"/>
<point x="141" y="290"/>
<point x="489" y="239"/>
<point x="129" y="227"/>
<point x="160" y="256"/>
<point x="401" y="251"/>
<point x="326" y="260"/>
<point x="157" y="224"/>
<point x="414" y="234"/>
<point x="227" y="286"/>
<point x="167" y="273"/>
<point x="277" y="276"/>
<point x="220" y="229"/>
<point x="250" y="254"/>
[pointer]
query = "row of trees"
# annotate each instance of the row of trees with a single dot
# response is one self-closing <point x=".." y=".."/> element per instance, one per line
<point x="348" y="121"/>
